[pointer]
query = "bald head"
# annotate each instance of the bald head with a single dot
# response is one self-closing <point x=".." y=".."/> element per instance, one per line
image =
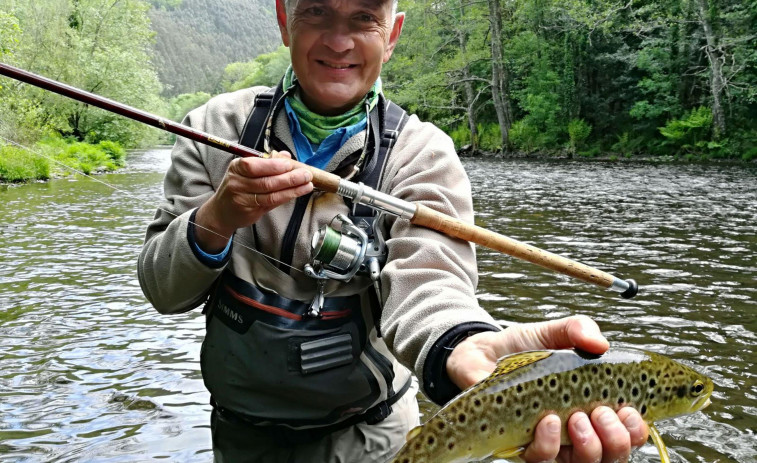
<point x="292" y="4"/>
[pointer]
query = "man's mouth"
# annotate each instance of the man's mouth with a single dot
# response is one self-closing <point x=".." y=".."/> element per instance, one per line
<point x="336" y="65"/>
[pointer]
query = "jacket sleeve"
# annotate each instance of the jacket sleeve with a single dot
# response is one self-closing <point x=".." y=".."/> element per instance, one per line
<point x="429" y="280"/>
<point x="173" y="275"/>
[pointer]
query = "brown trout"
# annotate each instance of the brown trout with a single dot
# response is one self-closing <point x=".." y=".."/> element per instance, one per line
<point x="497" y="416"/>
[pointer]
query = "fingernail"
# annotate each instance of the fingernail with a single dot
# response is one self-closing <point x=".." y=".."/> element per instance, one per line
<point x="606" y="418"/>
<point x="553" y="427"/>
<point x="632" y="421"/>
<point x="583" y="425"/>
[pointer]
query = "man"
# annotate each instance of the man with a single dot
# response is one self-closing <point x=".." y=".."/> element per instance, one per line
<point x="271" y="401"/>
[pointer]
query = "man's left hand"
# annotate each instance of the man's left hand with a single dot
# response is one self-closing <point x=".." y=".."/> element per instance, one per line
<point x="605" y="436"/>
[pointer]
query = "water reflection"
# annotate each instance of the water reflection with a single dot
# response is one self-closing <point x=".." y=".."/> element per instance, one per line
<point x="89" y="372"/>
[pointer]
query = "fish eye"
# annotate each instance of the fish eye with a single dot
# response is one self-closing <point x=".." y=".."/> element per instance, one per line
<point x="697" y="388"/>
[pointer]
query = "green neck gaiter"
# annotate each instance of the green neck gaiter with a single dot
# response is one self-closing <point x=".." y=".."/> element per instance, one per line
<point x="317" y="127"/>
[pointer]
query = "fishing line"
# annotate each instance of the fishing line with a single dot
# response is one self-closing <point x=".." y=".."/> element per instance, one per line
<point x="144" y="201"/>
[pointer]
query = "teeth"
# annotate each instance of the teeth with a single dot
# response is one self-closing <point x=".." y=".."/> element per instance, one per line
<point x="336" y="66"/>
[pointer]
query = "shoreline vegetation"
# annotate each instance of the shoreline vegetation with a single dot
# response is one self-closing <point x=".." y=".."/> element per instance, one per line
<point x="54" y="157"/>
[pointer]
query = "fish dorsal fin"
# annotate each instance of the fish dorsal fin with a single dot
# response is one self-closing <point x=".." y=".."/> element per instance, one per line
<point x="509" y="453"/>
<point x="414" y="432"/>
<point x="657" y="440"/>
<point x="512" y="362"/>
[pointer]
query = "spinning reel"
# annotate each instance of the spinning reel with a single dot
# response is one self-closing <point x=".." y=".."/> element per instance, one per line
<point x="339" y="251"/>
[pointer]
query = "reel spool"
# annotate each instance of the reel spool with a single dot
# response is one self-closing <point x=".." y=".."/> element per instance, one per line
<point x="337" y="254"/>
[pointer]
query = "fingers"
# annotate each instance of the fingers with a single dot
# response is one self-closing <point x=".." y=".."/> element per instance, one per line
<point x="635" y="425"/>
<point x="267" y="183"/>
<point x="546" y="444"/>
<point x="586" y="444"/>
<point x="616" y="440"/>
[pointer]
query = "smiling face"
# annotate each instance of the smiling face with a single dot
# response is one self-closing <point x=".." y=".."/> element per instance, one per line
<point x="338" y="48"/>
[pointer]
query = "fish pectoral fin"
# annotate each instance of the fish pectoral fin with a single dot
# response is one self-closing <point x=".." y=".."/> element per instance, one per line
<point x="509" y="453"/>
<point x="414" y="432"/>
<point x="657" y="440"/>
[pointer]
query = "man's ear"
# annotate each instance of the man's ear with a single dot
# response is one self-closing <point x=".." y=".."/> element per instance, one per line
<point x="281" y="17"/>
<point x="394" y="36"/>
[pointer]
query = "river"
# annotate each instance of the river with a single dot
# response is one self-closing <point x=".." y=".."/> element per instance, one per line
<point x="90" y="372"/>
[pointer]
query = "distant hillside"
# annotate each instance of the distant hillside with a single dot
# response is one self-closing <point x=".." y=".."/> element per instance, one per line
<point x="196" y="39"/>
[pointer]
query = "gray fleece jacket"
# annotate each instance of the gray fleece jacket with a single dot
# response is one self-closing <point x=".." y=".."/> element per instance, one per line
<point x="428" y="282"/>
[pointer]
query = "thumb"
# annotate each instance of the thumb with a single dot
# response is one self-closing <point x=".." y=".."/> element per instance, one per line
<point x="572" y="332"/>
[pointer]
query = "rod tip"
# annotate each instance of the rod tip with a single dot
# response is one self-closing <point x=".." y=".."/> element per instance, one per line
<point x="633" y="289"/>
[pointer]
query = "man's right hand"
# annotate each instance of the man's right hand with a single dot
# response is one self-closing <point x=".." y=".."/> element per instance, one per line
<point x="250" y="188"/>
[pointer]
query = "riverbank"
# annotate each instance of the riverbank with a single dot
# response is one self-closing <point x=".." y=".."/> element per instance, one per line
<point x="748" y="158"/>
<point x="58" y="157"/>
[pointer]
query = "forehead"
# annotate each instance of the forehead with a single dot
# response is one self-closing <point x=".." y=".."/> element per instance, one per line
<point x="345" y="4"/>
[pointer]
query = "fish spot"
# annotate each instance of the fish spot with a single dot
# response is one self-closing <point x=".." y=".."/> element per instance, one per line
<point x="608" y="371"/>
<point x="484" y="427"/>
<point x="635" y="391"/>
<point x="594" y="370"/>
<point x="540" y="382"/>
<point x="643" y="409"/>
<point x="553" y="383"/>
<point x="620" y="382"/>
<point x="405" y="460"/>
<point x="574" y="378"/>
<point x="643" y="377"/>
<point x="651" y="396"/>
<point x="621" y="401"/>
<point x="500" y="399"/>
<point x="441" y="425"/>
<point x="536" y="405"/>
<point x="667" y="375"/>
<point x="566" y="398"/>
<point x="680" y="372"/>
<point x="652" y="382"/>
<point x="451" y="445"/>
<point x="501" y="430"/>
<point x="528" y="430"/>
<point x="518" y="413"/>
<point x="681" y="392"/>
<point x="587" y="392"/>
<point x="519" y="388"/>
<point x="431" y="440"/>
<point x="477" y="402"/>
<point x="461" y="418"/>
<point x="605" y="393"/>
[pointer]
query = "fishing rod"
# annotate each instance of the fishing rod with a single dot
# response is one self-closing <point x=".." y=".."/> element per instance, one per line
<point x="417" y="214"/>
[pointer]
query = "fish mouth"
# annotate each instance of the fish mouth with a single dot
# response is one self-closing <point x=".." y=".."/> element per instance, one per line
<point x="702" y="403"/>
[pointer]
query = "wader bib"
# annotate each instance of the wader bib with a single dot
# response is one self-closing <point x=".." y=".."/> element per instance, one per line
<point x="265" y="362"/>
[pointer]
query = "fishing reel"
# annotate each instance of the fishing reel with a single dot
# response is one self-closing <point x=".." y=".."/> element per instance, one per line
<point x="339" y="251"/>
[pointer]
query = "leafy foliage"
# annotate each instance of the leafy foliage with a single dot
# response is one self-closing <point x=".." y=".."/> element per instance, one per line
<point x="633" y="73"/>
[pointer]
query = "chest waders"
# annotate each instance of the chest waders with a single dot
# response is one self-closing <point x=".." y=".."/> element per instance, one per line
<point x="265" y="361"/>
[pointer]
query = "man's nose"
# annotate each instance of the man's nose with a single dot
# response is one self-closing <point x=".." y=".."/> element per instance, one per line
<point x="339" y="37"/>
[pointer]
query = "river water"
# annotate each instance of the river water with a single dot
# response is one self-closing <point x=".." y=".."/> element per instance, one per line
<point x="89" y="372"/>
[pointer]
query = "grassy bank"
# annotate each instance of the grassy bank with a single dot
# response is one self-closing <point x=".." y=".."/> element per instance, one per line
<point x="57" y="157"/>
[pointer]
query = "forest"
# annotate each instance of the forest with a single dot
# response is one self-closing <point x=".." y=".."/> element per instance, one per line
<point x="665" y="79"/>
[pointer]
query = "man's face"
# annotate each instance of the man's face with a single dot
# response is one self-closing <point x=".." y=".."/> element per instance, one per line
<point x="338" y="48"/>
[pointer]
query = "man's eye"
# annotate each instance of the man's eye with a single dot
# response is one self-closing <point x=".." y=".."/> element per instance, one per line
<point x="365" y="18"/>
<point x="315" y="11"/>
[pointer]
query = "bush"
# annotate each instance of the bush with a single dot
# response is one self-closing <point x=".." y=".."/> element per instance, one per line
<point x="525" y="136"/>
<point x="460" y="136"/>
<point x="115" y="152"/>
<point x="578" y="132"/>
<point x="489" y="137"/>
<point x="18" y="165"/>
<point x="690" y="133"/>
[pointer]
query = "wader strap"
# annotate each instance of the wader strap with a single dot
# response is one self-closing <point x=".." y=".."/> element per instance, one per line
<point x="283" y="435"/>
<point x="254" y="129"/>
